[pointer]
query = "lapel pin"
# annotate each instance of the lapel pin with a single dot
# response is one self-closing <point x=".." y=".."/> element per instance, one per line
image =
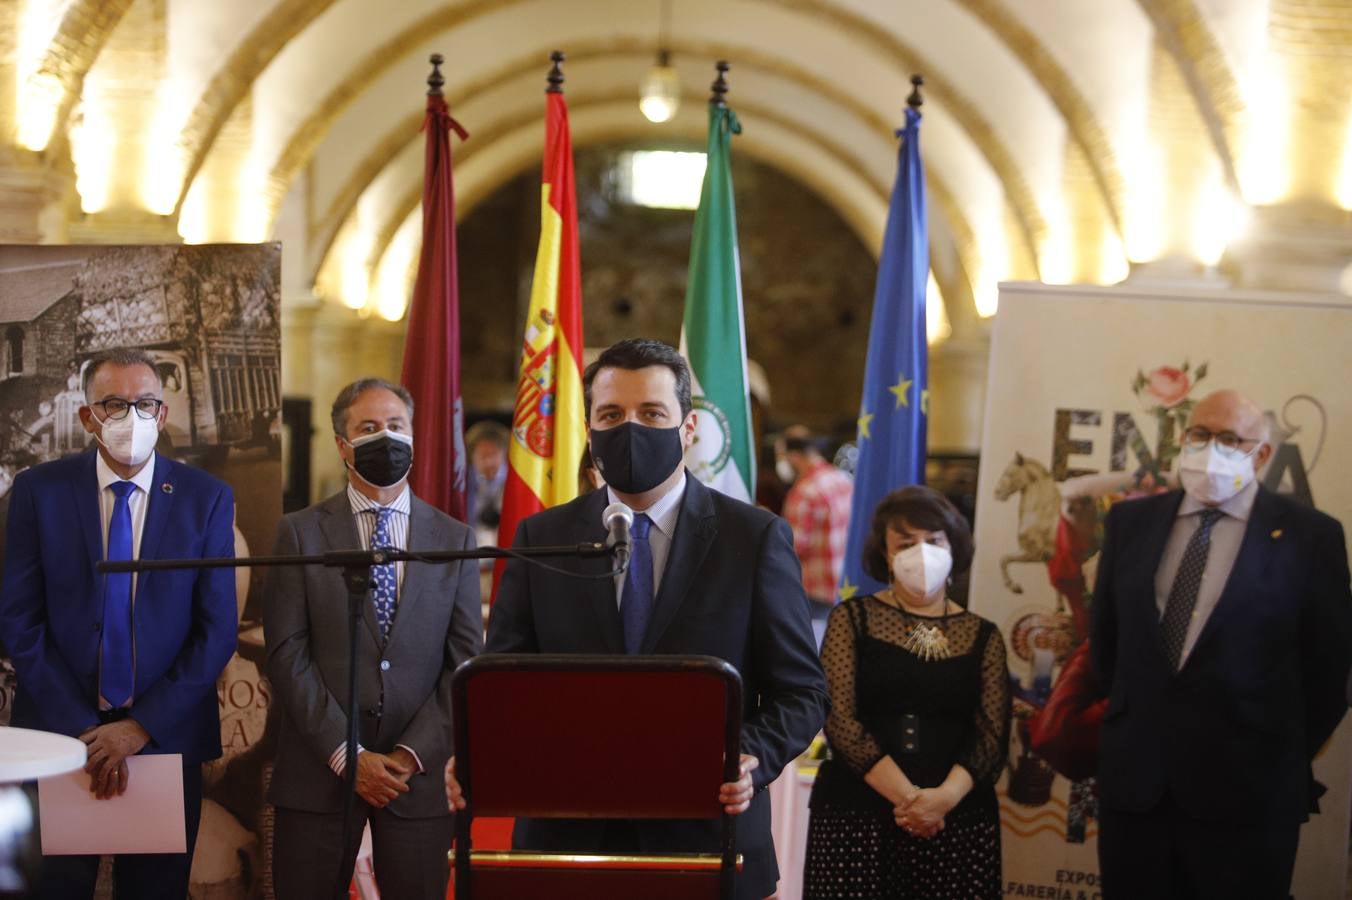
<point x="169" y="489"/>
<point x="1276" y="533"/>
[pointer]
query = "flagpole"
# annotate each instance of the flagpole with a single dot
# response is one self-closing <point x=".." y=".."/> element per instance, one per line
<point x="435" y="80"/>
<point x="915" y="101"/>
<point x="555" y="76"/>
<point x="719" y="97"/>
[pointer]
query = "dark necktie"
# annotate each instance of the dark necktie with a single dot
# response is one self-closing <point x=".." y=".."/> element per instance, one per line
<point x="636" y="604"/>
<point x="384" y="584"/>
<point x="1183" y="595"/>
<point x="116" y="672"/>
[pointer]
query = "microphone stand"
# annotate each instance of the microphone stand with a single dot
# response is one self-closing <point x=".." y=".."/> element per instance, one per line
<point x="356" y="566"/>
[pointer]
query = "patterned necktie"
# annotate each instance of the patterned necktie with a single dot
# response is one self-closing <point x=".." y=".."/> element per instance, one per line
<point x="384" y="584"/>
<point x="636" y="604"/>
<point x="116" y="673"/>
<point x="1183" y="595"/>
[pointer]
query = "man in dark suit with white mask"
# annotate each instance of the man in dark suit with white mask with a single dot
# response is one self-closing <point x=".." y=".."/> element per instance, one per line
<point x="1223" y="636"/>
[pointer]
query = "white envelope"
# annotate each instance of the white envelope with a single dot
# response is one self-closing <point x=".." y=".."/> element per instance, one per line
<point x="148" y="818"/>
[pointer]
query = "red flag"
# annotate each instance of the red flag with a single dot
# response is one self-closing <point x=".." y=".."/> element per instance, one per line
<point x="549" y="429"/>
<point x="432" y="347"/>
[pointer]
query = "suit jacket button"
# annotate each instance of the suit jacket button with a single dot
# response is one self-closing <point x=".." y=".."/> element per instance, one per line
<point x="384" y="665"/>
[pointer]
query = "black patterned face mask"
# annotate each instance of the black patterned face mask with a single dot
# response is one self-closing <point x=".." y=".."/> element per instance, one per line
<point x="635" y="458"/>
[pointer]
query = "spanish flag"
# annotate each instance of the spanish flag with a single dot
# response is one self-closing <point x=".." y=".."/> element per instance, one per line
<point x="549" y="429"/>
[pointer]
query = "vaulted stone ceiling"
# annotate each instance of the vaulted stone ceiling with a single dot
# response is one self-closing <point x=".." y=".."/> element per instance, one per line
<point x="1064" y="140"/>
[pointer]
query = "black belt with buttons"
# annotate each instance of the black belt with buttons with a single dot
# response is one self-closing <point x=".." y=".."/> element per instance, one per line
<point x="910" y="733"/>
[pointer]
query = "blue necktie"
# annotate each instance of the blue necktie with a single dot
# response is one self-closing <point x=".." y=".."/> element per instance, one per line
<point x="1183" y="594"/>
<point x="636" y="604"/>
<point x="115" y="650"/>
<point x="384" y="584"/>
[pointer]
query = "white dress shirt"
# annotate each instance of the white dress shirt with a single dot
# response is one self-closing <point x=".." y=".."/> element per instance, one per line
<point x="663" y="514"/>
<point x="137" y="501"/>
<point x="1226" y="535"/>
<point x="363" y="511"/>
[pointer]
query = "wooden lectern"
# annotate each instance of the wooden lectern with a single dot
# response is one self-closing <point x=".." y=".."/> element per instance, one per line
<point x="582" y="736"/>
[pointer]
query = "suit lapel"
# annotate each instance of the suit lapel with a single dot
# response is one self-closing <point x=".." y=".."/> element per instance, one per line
<point x="340" y="533"/>
<point x="1248" y="569"/>
<point x="86" y="495"/>
<point x="158" y="503"/>
<point x="600" y="592"/>
<point x="696" y="527"/>
<point x="422" y="535"/>
<point x="1152" y="552"/>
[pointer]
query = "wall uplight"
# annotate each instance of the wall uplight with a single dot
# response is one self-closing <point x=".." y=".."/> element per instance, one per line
<point x="1344" y="188"/>
<point x="397" y="270"/>
<point x="1218" y="217"/>
<point x="937" y="327"/>
<point x="38" y="94"/>
<point x="1264" y="158"/>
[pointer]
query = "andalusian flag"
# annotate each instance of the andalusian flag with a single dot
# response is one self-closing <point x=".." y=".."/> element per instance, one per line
<point x="548" y="425"/>
<point x="713" y="335"/>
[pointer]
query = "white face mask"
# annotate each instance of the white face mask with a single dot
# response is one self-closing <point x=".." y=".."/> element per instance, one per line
<point x="784" y="469"/>
<point x="1211" y="477"/>
<point x="129" y="440"/>
<point x="922" y="569"/>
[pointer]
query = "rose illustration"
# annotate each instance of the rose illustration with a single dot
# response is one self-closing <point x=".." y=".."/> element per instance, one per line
<point x="1168" y="385"/>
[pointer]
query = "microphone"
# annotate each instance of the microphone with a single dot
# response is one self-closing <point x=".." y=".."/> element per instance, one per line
<point x="618" y="518"/>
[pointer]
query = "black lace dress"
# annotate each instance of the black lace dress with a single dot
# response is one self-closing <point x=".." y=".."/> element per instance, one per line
<point x="895" y="693"/>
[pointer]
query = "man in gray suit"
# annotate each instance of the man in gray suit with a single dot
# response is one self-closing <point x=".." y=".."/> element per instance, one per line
<point x="422" y="620"/>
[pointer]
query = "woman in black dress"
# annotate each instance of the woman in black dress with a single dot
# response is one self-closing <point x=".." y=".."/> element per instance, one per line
<point x="919" y="724"/>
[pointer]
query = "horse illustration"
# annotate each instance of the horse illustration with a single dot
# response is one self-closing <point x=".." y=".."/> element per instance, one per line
<point x="1039" y="509"/>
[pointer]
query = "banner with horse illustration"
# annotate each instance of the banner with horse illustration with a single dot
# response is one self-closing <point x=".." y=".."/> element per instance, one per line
<point x="1089" y="391"/>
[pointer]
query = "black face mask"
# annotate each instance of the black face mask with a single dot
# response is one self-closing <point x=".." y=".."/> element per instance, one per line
<point x="634" y="458"/>
<point x="382" y="459"/>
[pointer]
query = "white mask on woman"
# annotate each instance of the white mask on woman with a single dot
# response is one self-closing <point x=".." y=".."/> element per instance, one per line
<point x="921" y="569"/>
<point x="128" y="440"/>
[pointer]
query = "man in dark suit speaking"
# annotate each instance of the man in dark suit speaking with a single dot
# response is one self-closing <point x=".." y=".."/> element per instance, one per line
<point x="1223" y="636"/>
<point x="708" y="575"/>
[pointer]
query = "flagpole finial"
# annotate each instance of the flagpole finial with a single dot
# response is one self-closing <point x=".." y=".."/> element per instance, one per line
<point x="915" y="100"/>
<point x="555" y="77"/>
<point x="719" y="97"/>
<point x="435" y="80"/>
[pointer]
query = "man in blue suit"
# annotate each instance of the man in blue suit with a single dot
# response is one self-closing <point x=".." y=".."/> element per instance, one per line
<point x="127" y="663"/>
<point x="1223" y="636"/>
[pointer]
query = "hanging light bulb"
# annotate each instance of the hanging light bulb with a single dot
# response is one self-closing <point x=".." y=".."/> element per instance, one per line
<point x="660" y="96"/>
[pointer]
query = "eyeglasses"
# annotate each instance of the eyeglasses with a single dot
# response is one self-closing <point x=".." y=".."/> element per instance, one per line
<point x="1228" y="443"/>
<point x="117" y="408"/>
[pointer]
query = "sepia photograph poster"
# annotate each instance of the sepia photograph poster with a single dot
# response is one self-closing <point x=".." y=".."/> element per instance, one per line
<point x="209" y="316"/>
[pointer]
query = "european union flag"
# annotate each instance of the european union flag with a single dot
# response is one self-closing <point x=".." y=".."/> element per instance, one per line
<point x="895" y="404"/>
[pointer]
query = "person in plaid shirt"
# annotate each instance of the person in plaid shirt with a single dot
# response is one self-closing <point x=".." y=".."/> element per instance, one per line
<point x="818" y="510"/>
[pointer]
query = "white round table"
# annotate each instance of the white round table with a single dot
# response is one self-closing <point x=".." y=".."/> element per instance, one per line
<point x="26" y="754"/>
